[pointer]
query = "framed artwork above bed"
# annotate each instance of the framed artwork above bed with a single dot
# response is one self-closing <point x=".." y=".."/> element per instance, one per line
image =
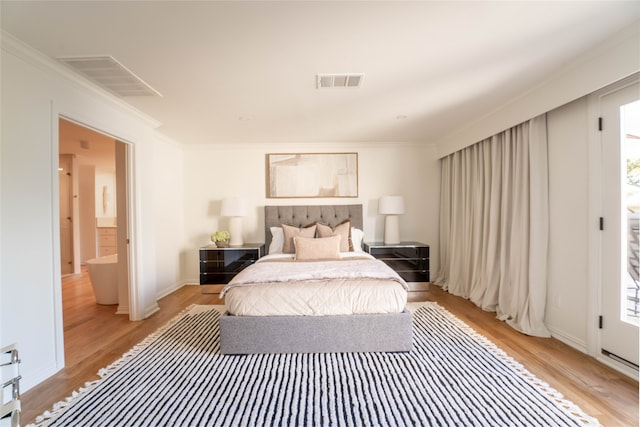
<point x="297" y="175"/>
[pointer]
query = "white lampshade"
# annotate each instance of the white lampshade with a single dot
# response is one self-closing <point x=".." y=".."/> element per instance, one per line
<point x="391" y="205"/>
<point x="235" y="208"/>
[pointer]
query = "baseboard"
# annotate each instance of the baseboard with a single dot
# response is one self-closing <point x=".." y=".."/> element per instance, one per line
<point x="36" y="376"/>
<point x="170" y="290"/>
<point x="122" y="309"/>
<point x="626" y="370"/>
<point x="569" y="340"/>
<point x="581" y="346"/>
<point x="152" y="309"/>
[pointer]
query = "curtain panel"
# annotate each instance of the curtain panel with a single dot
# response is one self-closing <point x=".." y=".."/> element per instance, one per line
<point x="494" y="222"/>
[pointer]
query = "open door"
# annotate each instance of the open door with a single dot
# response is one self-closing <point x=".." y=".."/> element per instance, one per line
<point x="65" y="177"/>
<point x="123" y="226"/>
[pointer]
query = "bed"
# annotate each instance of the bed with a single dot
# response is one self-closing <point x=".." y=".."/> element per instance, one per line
<point x="312" y="301"/>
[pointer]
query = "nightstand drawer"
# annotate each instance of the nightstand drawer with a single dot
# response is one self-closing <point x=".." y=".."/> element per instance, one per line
<point x="407" y="264"/>
<point x="220" y="265"/>
<point x="409" y="259"/>
<point x="414" y="276"/>
<point x="400" y="252"/>
<point x="216" y="278"/>
<point x="226" y="265"/>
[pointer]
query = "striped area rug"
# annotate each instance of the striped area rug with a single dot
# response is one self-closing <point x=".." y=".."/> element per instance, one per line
<point x="453" y="377"/>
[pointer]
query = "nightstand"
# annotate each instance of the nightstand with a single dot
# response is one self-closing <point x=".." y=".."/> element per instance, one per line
<point x="409" y="259"/>
<point x="219" y="265"/>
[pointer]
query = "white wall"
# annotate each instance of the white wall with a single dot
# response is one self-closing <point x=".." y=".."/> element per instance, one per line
<point x="169" y="208"/>
<point x="212" y="174"/>
<point x="35" y="93"/>
<point x="27" y="223"/>
<point x="567" y="296"/>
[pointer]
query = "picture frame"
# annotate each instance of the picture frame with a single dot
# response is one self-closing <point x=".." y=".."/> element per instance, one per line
<point x="311" y="175"/>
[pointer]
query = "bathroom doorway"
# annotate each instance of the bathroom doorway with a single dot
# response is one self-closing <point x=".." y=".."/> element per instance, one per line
<point x="93" y="221"/>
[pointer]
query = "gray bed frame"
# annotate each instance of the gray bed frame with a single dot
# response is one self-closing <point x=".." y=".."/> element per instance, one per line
<point x="315" y="334"/>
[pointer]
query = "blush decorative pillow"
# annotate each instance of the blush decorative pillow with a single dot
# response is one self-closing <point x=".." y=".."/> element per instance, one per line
<point x="322" y="248"/>
<point x="343" y="230"/>
<point x="290" y="232"/>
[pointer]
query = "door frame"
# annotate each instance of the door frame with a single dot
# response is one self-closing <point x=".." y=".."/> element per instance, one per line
<point x="594" y="235"/>
<point x="133" y="310"/>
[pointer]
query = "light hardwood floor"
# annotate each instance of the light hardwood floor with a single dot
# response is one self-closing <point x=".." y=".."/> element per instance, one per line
<point x="95" y="337"/>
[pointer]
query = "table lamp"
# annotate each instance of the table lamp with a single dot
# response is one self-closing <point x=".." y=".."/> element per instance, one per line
<point x="235" y="208"/>
<point x="391" y="206"/>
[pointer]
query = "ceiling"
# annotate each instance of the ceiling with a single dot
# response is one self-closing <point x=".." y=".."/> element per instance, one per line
<point x="245" y="72"/>
<point x="88" y="146"/>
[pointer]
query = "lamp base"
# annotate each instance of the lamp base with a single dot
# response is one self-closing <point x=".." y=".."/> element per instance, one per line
<point x="235" y="229"/>
<point x="391" y="230"/>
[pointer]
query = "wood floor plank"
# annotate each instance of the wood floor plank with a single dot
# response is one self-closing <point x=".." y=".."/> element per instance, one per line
<point x="95" y="337"/>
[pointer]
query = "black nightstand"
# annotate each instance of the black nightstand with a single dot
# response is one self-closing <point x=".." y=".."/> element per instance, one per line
<point x="409" y="259"/>
<point x="219" y="265"/>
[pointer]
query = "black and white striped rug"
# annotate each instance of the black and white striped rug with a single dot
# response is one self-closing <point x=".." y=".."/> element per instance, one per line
<point x="453" y="377"/>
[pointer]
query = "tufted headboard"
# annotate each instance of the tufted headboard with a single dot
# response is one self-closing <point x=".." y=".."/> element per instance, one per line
<point x="300" y="216"/>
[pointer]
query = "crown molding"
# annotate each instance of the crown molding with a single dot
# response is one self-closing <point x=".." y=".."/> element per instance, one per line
<point x="16" y="47"/>
<point x="612" y="59"/>
<point x="296" y="147"/>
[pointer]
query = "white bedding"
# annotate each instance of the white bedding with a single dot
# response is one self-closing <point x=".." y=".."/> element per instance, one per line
<point x="278" y="286"/>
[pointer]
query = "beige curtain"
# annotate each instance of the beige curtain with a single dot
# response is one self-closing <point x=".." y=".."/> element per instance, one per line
<point x="494" y="225"/>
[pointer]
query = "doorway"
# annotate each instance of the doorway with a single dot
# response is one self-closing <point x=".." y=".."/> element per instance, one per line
<point x="620" y="224"/>
<point x="93" y="218"/>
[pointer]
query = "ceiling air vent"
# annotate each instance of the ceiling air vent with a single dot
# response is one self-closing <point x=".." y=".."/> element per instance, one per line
<point x="325" y="81"/>
<point x="108" y="73"/>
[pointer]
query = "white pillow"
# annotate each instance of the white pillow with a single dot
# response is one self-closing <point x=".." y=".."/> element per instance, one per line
<point x="356" y="239"/>
<point x="277" y="240"/>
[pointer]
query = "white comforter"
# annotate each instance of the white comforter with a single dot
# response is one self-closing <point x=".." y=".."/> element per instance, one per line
<point x="278" y="286"/>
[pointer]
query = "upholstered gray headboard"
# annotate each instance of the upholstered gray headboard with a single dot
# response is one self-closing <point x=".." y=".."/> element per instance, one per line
<point x="300" y="216"/>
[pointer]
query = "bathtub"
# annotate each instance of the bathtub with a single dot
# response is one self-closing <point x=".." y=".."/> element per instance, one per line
<point x="103" y="273"/>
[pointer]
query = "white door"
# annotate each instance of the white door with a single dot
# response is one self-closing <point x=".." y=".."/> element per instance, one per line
<point x="620" y="123"/>
<point x="66" y="213"/>
<point x="122" y="155"/>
